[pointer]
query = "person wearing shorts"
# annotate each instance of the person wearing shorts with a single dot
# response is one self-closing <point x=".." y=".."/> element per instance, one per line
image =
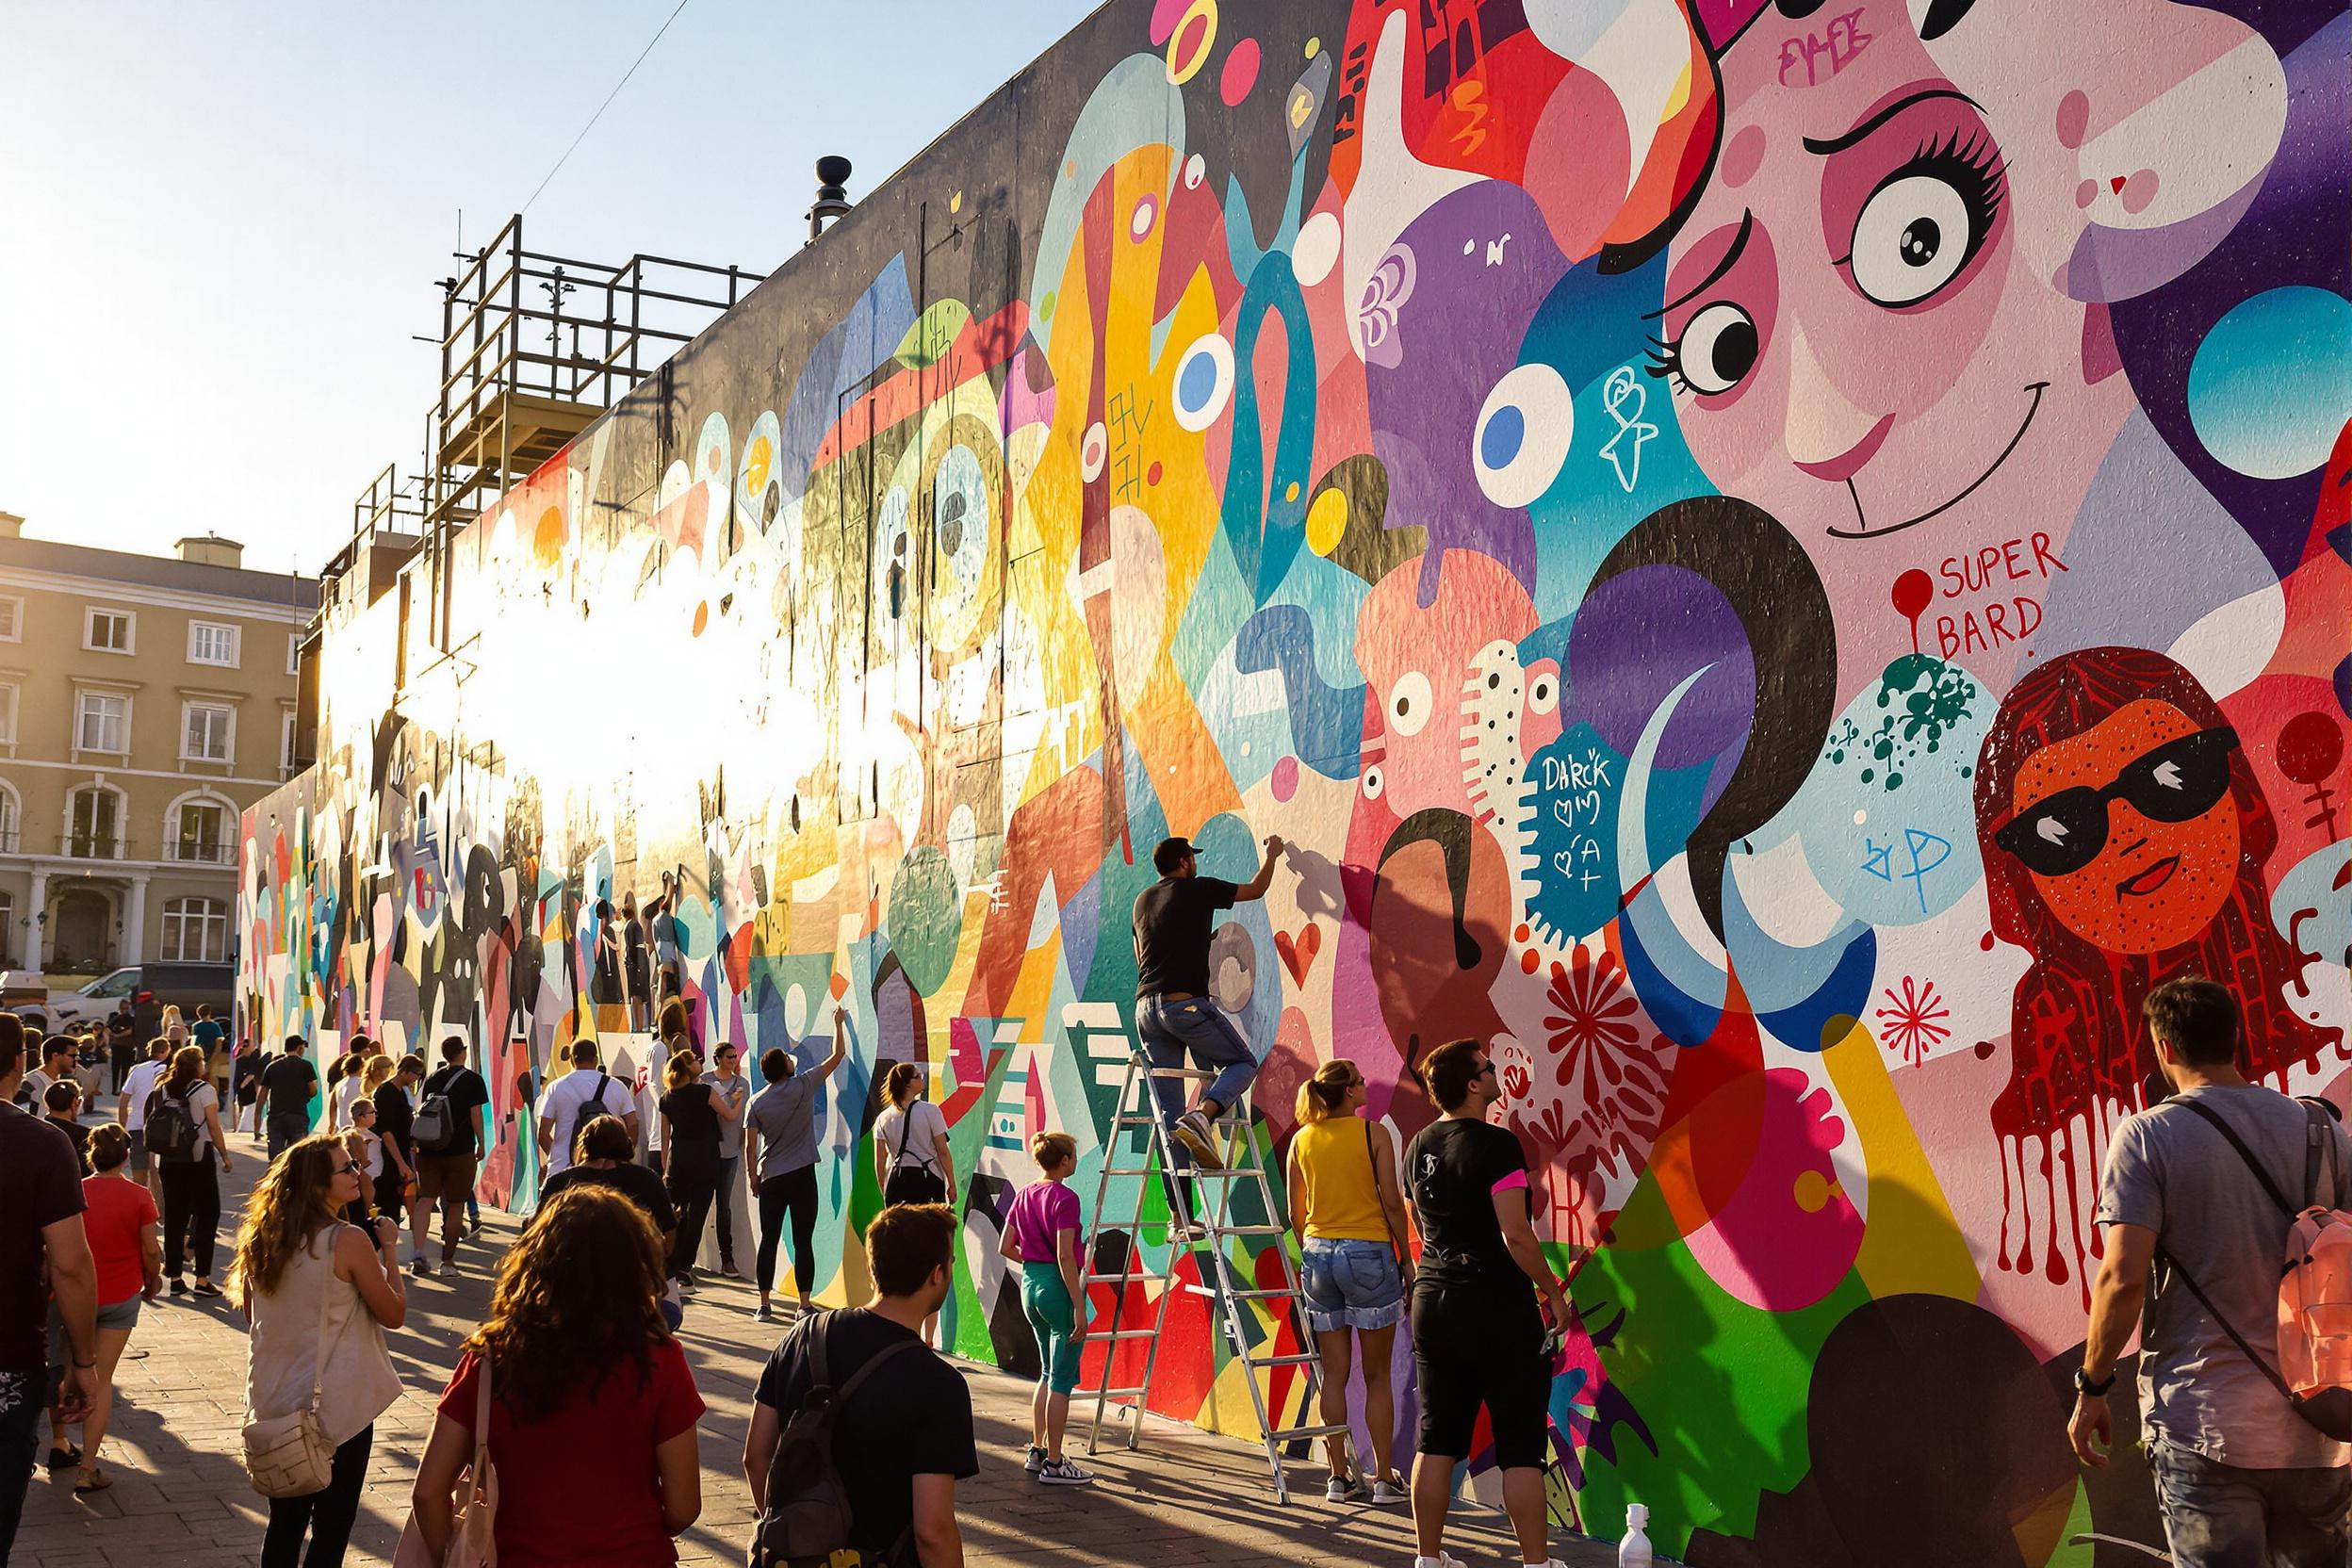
<point x="1041" y="1234"/>
<point x="1349" y="1215"/>
<point x="444" y="1177"/>
<point x="1478" y="1335"/>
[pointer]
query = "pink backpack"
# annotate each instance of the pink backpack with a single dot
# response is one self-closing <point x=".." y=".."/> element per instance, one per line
<point x="2314" y="1361"/>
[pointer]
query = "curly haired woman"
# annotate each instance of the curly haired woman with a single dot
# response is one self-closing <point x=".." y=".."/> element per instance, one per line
<point x="593" y="1411"/>
<point x="320" y="1292"/>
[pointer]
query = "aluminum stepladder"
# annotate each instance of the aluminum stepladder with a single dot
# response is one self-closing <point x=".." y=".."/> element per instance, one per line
<point x="1136" y="1112"/>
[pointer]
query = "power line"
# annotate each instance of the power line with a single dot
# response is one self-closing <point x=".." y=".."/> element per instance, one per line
<point x="606" y="104"/>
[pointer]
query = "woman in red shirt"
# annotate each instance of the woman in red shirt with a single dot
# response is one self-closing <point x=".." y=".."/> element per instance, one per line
<point x="126" y="1242"/>
<point x="591" y="1419"/>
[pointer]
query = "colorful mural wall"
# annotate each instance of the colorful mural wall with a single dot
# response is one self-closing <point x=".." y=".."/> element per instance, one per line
<point x="1783" y="563"/>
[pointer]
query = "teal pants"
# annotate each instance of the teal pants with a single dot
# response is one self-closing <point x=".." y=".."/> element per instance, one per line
<point x="1053" y="1318"/>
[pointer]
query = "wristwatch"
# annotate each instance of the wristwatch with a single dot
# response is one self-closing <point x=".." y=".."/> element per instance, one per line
<point x="2082" y="1384"/>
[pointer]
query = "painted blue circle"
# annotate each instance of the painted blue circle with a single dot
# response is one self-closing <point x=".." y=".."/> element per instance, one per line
<point x="1195" y="382"/>
<point x="1506" y="431"/>
<point x="2271" y="386"/>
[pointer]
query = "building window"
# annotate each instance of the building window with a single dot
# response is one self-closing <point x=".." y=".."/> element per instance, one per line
<point x="293" y="653"/>
<point x="285" y="745"/>
<point x="12" y="619"/>
<point x="96" y="815"/>
<point x="210" y="642"/>
<point x="208" y="734"/>
<point x="195" y="930"/>
<point x="7" y="712"/>
<point x="107" y="632"/>
<point x="10" y="818"/>
<point x="102" y="723"/>
<point x="200" y="833"/>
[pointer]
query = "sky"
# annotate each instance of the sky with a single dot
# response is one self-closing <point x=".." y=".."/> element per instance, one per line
<point x="220" y="223"/>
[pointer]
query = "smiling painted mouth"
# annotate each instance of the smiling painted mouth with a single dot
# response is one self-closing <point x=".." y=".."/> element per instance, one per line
<point x="2140" y="884"/>
<point x="1862" y="528"/>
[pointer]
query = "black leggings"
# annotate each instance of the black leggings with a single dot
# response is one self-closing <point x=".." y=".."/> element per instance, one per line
<point x="691" y="1194"/>
<point x="191" y="1211"/>
<point x="326" y="1516"/>
<point x="794" y="1193"/>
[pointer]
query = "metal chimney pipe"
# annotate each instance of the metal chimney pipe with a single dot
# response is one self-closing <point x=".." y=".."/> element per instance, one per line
<point x="832" y="198"/>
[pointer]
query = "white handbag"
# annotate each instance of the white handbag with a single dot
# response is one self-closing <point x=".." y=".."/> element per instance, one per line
<point x="289" y="1456"/>
<point x="473" y="1540"/>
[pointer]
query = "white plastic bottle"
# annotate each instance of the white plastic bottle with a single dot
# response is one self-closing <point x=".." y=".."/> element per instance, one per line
<point x="1634" y="1551"/>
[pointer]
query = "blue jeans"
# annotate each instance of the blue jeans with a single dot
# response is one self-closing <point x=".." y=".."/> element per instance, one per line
<point x="2220" y="1516"/>
<point x="1350" y="1284"/>
<point x="285" y="1130"/>
<point x="1197" y="1027"/>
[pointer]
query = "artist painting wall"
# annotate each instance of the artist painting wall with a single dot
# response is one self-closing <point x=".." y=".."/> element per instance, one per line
<point x="1783" y="564"/>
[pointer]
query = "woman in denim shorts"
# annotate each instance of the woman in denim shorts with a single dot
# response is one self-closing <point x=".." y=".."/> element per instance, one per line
<point x="1349" y="1215"/>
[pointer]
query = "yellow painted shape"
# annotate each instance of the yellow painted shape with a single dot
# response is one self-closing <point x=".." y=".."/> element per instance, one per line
<point x="1326" y="520"/>
<point x="1912" y="1245"/>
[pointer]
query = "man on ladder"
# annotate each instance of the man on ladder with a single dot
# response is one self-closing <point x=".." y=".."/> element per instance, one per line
<point x="1174" y="1012"/>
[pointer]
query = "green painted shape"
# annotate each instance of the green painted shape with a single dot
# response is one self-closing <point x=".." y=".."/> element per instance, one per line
<point x="1723" y="1386"/>
<point x="926" y="918"/>
<point x="934" y="332"/>
<point x="2079" y="1522"/>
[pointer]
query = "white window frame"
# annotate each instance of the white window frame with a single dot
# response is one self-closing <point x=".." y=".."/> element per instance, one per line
<point x="230" y="824"/>
<point x="286" y="745"/>
<point x="211" y="916"/>
<point x="8" y="700"/>
<point x="195" y="629"/>
<point x="11" y="818"/>
<point x="293" y="653"/>
<point x="119" y="842"/>
<point x="188" y="714"/>
<point x="90" y="631"/>
<point x="81" y="707"/>
<point x="14" y="631"/>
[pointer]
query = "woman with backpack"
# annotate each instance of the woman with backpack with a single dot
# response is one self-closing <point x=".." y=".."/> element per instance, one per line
<point x="591" y="1407"/>
<point x="184" y="1138"/>
<point x="911" y="1161"/>
<point x="692" y="1114"/>
<point x="319" y="1293"/>
<point x="1356" y="1267"/>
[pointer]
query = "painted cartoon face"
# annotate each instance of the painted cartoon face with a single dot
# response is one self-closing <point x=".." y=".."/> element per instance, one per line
<point x="2130" y="832"/>
<point x="1854" y="339"/>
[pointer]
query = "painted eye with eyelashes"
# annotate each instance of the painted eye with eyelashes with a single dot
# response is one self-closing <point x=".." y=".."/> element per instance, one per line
<point x="1719" y="346"/>
<point x="1924" y="223"/>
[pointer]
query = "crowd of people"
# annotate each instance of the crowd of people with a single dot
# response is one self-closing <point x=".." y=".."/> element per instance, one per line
<point x="574" y="1392"/>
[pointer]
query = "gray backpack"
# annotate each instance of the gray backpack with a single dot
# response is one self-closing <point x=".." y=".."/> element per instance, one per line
<point x="807" y="1522"/>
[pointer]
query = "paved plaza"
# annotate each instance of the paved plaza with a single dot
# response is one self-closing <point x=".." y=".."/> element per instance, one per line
<point x="180" y="1497"/>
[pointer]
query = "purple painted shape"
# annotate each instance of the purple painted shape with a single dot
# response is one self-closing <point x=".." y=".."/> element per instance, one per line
<point x="1634" y="639"/>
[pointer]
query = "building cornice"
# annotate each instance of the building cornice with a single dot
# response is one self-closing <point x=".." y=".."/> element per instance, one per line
<point x="101" y="589"/>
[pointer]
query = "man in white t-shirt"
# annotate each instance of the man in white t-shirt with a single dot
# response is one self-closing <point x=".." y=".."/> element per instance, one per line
<point x="130" y="1109"/>
<point x="584" y="1092"/>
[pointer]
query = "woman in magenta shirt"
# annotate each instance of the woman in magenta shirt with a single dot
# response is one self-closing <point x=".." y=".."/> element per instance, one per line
<point x="592" y="1409"/>
<point x="126" y="1242"/>
<point x="1041" y="1234"/>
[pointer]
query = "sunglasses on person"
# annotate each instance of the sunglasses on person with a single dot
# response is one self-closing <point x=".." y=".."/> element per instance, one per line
<point x="346" y="1169"/>
<point x="2177" y="781"/>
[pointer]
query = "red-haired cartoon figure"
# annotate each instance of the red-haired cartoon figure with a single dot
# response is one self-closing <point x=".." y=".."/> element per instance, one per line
<point x="2124" y="838"/>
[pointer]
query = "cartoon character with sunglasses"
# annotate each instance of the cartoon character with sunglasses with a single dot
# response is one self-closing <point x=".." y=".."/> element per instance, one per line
<point x="2124" y="836"/>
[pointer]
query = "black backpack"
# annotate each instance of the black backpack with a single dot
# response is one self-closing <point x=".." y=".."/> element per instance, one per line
<point x="170" y="1125"/>
<point x="807" y="1522"/>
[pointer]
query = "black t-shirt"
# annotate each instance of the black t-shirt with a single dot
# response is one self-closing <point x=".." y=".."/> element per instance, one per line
<point x="464" y="1088"/>
<point x="911" y="1418"/>
<point x="79" y="1134"/>
<point x="693" y="1148"/>
<point x="1172" y="919"/>
<point x="394" y="1115"/>
<point x="1453" y="1171"/>
<point x="44" y="1185"/>
<point x="635" y="1182"/>
<point x="288" y="1082"/>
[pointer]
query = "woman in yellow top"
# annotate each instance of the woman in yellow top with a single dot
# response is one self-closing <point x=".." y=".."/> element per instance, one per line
<point x="1350" y="1218"/>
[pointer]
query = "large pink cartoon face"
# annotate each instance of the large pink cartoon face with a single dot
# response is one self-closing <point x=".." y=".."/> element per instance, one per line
<point x="1855" y="339"/>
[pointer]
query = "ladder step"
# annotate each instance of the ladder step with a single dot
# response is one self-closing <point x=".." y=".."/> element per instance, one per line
<point x="1300" y="1360"/>
<point x="1131" y="1170"/>
<point x="1243" y="1294"/>
<point x="1126" y="1334"/>
<point x="1248" y="1230"/>
<point x="1290" y="1435"/>
<point x="1117" y="1393"/>
<point x="1117" y="1279"/>
<point x="1200" y="1073"/>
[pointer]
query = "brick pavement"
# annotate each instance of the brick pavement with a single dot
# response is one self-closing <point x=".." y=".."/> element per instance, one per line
<point x="180" y="1499"/>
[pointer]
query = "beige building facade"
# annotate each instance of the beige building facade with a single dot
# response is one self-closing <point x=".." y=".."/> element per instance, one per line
<point x="146" y="701"/>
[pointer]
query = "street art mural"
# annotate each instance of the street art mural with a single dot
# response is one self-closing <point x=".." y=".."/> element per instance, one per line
<point x="1783" y="563"/>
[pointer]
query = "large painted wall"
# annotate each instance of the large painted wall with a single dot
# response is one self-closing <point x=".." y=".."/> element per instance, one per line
<point x="1783" y="563"/>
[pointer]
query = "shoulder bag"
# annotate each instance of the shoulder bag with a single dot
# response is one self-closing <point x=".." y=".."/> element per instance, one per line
<point x="473" y="1540"/>
<point x="913" y="1183"/>
<point x="289" y="1456"/>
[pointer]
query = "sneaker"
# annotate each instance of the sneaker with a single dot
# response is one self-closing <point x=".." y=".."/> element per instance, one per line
<point x="685" y="1282"/>
<point x="1036" y="1460"/>
<point x="763" y="1314"/>
<point x="1184" y="1233"/>
<point x="1192" y="1130"/>
<point x="417" y="1265"/>
<point x="179" y="1287"/>
<point x="1061" y="1472"/>
<point x="1344" y="1489"/>
<point x="1442" y="1560"/>
<point x="1386" y="1491"/>
<point x="448" y="1268"/>
<point x="206" y="1287"/>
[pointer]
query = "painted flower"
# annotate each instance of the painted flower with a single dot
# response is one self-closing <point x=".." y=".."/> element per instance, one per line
<point x="1384" y="295"/>
<point x="1592" y="1023"/>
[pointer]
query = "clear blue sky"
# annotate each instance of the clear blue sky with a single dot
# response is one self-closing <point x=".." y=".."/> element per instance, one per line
<point x="219" y="223"/>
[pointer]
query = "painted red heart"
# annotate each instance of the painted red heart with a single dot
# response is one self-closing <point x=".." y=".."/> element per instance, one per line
<point x="1298" y="952"/>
